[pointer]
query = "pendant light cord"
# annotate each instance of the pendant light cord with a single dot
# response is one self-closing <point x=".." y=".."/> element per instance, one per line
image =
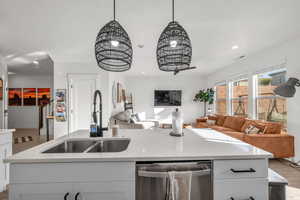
<point x="173" y="10"/>
<point x="114" y="9"/>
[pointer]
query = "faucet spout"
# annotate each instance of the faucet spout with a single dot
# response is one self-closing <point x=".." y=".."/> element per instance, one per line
<point x="100" y="129"/>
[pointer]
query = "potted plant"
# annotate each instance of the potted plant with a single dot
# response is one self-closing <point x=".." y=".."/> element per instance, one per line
<point x="205" y="96"/>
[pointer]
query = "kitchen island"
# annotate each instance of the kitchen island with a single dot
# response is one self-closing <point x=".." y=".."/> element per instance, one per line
<point x="239" y="170"/>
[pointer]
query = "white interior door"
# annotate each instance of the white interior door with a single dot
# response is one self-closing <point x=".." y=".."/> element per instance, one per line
<point x="81" y="87"/>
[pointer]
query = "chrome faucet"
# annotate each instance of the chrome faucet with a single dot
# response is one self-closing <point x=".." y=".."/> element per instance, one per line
<point x="100" y="129"/>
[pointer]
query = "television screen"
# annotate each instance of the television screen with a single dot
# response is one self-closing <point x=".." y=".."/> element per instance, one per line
<point x="167" y="98"/>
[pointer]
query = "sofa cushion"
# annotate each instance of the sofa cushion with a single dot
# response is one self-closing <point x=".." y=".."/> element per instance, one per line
<point x="212" y="117"/>
<point x="221" y="128"/>
<point x="235" y="134"/>
<point x="202" y="119"/>
<point x="220" y="120"/>
<point x="273" y="128"/>
<point x="249" y="122"/>
<point x="235" y="123"/>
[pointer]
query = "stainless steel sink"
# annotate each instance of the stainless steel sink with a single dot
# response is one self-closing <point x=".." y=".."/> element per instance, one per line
<point x="115" y="145"/>
<point x="71" y="146"/>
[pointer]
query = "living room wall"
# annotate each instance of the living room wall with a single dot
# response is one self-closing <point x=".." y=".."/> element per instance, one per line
<point x="142" y="88"/>
<point x="285" y="54"/>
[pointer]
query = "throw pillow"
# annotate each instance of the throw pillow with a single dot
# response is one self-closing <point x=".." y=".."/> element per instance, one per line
<point x="252" y="130"/>
<point x="138" y="117"/>
<point x="123" y="116"/>
<point x="133" y="119"/>
<point x="211" y="122"/>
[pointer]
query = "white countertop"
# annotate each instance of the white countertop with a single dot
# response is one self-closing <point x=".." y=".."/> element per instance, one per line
<point x="152" y="145"/>
<point x="5" y="131"/>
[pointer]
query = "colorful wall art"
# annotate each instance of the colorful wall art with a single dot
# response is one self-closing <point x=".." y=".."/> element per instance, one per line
<point x="44" y="96"/>
<point x="29" y="96"/>
<point x="60" y="106"/>
<point x="15" y="97"/>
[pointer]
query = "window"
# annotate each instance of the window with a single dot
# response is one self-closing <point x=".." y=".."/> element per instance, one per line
<point x="239" y="98"/>
<point x="268" y="106"/>
<point x="221" y="95"/>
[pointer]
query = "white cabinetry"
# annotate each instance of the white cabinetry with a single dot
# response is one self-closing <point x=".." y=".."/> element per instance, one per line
<point x="73" y="181"/>
<point x="241" y="179"/>
<point x="5" y="152"/>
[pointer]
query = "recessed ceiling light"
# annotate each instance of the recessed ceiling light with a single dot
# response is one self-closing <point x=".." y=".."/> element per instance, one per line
<point x="234" y="47"/>
<point x="35" y="62"/>
<point x="143" y="73"/>
<point x="11" y="73"/>
<point x="140" y="46"/>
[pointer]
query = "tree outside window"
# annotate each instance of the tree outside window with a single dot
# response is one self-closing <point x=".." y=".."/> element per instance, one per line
<point x="270" y="107"/>
<point x="239" y="98"/>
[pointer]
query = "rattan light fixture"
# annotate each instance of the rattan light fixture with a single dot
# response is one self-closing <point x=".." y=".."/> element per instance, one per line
<point x="174" y="48"/>
<point x="113" y="47"/>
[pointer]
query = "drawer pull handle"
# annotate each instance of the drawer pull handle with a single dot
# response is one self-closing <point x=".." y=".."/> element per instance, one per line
<point x="250" y="198"/>
<point x="66" y="196"/>
<point x="251" y="170"/>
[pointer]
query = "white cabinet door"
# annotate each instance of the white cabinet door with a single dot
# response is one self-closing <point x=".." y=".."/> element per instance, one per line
<point x="3" y="173"/>
<point x="237" y="189"/>
<point x="53" y="191"/>
<point x="110" y="190"/>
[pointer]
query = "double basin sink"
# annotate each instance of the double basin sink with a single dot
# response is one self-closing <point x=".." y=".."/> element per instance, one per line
<point x="90" y="146"/>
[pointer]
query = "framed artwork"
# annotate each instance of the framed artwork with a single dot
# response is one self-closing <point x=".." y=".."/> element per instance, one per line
<point x="29" y="96"/>
<point x="15" y="97"/>
<point x="44" y="96"/>
<point x="1" y="89"/>
<point x="119" y="92"/>
<point x="60" y="106"/>
<point x="60" y="95"/>
<point x="114" y="95"/>
<point x="60" y="112"/>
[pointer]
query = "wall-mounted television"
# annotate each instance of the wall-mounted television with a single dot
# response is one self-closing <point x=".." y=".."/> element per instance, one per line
<point x="167" y="98"/>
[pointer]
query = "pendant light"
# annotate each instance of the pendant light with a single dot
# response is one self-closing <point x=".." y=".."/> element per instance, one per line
<point x="174" y="49"/>
<point x="113" y="47"/>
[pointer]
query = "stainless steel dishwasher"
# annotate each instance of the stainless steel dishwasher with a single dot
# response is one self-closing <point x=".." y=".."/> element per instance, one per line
<point x="152" y="177"/>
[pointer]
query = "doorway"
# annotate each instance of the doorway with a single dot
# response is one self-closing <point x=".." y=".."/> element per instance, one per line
<point x="81" y="92"/>
<point x="29" y="99"/>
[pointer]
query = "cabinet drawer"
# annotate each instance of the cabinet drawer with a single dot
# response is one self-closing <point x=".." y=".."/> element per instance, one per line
<point x="72" y="172"/>
<point x="253" y="189"/>
<point x="231" y="169"/>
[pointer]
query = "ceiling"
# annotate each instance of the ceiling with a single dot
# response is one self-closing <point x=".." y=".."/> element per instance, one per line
<point x="31" y="64"/>
<point x="67" y="29"/>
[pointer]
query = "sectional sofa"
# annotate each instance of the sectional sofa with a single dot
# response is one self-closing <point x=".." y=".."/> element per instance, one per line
<point x="270" y="137"/>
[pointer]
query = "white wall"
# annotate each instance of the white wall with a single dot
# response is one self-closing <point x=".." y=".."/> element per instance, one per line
<point x="3" y="103"/>
<point x="287" y="53"/>
<point x="61" y="70"/>
<point x="26" y="116"/>
<point x="143" y="88"/>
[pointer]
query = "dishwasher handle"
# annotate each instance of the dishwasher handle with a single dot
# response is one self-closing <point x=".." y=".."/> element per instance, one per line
<point x="151" y="174"/>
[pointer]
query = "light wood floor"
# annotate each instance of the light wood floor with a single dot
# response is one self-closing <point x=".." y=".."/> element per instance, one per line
<point x="280" y="166"/>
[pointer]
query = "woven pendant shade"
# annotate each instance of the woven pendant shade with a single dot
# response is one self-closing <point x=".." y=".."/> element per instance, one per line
<point x="174" y="49"/>
<point x="113" y="48"/>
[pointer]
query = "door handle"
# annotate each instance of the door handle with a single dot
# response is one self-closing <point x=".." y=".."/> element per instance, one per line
<point x="66" y="196"/>
<point x="77" y="195"/>
<point x="251" y="170"/>
<point x="250" y="198"/>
